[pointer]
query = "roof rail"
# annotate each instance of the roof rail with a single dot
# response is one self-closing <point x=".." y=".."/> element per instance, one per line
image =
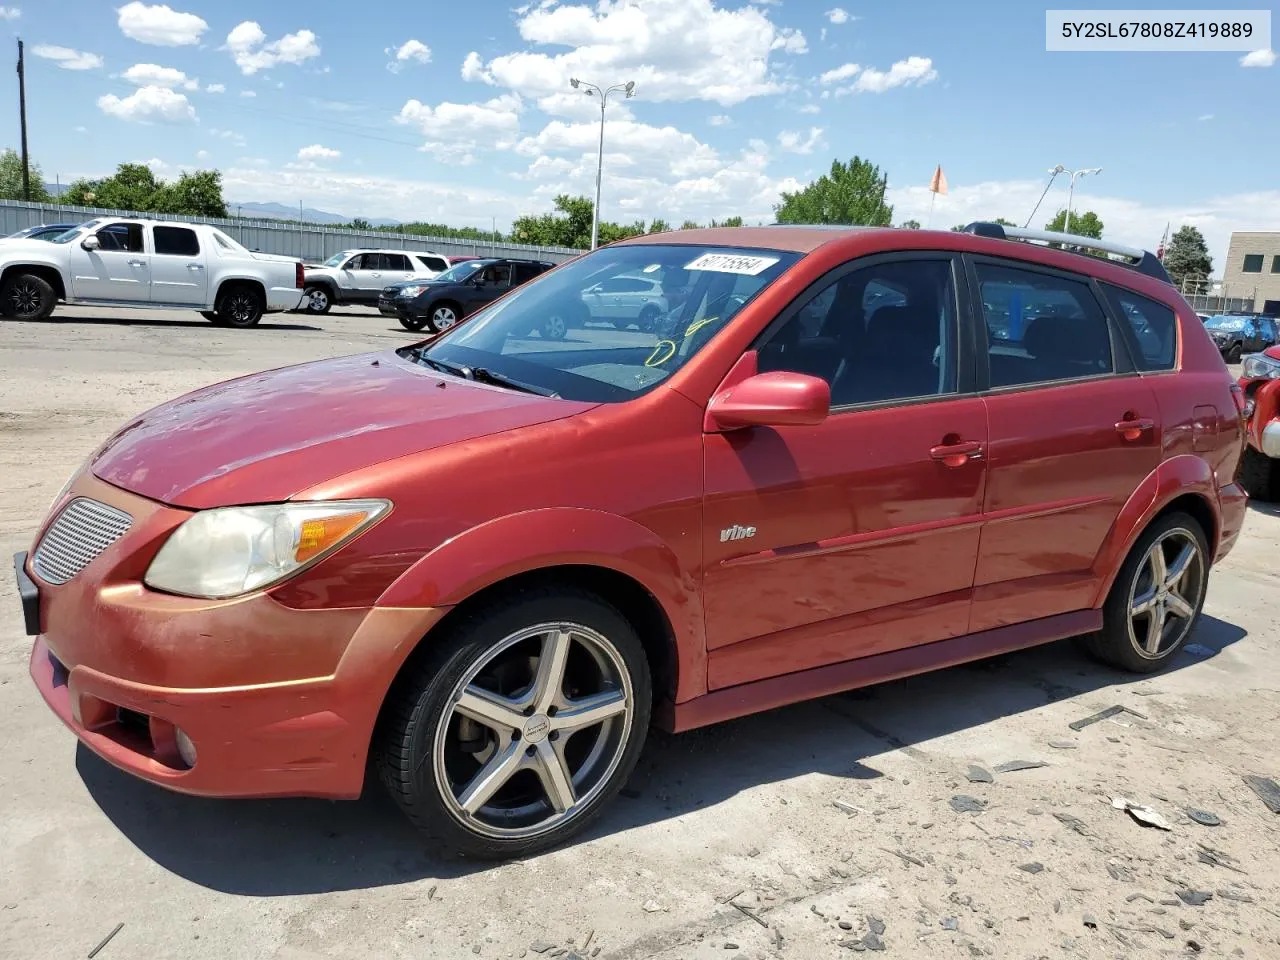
<point x="1144" y="261"/>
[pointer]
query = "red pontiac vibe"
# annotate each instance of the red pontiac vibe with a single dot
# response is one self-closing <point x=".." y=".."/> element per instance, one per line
<point x="489" y="562"/>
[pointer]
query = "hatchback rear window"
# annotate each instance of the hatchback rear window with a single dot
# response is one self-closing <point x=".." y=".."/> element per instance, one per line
<point x="1154" y="327"/>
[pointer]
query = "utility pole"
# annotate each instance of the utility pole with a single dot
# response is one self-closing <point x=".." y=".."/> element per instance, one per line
<point x="22" y="116"/>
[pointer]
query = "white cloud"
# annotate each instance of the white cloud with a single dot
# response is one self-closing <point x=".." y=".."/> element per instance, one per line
<point x="160" y="25"/>
<point x="792" y="141"/>
<point x="252" y="53"/>
<point x="410" y="50"/>
<point x="454" y="154"/>
<point x="837" y="15"/>
<point x="810" y="108"/>
<point x="318" y="152"/>
<point x="843" y="72"/>
<point x="152" y="75"/>
<point x="149" y="105"/>
<point x="10" y="13"/>
<point x="67" y="58"/>
<point x="248" y="94"/>
<point x="1205" y="116"/>
<point x="232" y="135"/>
<point x="464" y="122"/>
<point x="913" y="71"/>
<point x="672" y="49"/>
<point x="216" y="88"/>
<point x="720" y="120"/>
<point x="202" y="154"/>
<point x="1258" y="58"/>
<point x="648" y="150"/>
<point x="575" y="105"/>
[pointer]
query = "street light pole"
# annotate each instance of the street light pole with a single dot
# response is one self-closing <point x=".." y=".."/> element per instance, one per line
<point x="591" y="90"/>
<point x="1071" y="189"/>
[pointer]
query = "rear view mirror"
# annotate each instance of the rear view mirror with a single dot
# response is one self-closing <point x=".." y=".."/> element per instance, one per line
<point x="91" y="243"/>
<point x="776" y="399"/>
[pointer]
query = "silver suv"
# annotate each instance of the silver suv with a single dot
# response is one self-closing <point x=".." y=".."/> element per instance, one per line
<point x="357" y="276"/>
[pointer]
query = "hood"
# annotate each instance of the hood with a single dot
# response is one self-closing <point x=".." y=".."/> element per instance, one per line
<point x="1272" y="351"/>
<point x="265" y="437"/>
<point x="24" y="247"/>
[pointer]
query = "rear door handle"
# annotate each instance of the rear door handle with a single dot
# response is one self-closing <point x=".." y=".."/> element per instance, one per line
<point x="194" y="266"/>
<point x="956" y="454"/>
<point x="1133" y="428"/>
<point x="137" y="263"/>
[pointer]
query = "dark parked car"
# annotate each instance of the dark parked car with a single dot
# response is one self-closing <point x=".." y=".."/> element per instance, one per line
<point x="439" y="303"/>
<point x="1234" y="336"/>
<point x="45" y="231"/>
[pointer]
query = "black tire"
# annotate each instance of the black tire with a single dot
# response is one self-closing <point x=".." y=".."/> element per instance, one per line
<point x="554" y="326"/>
<point x="1235" y="353"/>
<point x="413" y="323"/>
<point x="1260" y="475"/>
<point x="240" y="305"/>
<point x="211" y="317"/>
<point x="317" y="299"/>
<point x="1114" y="644"/>
<point x="447" y="306"/>
<point x="27" y="296"/>
<point x="419" y="714"/>
<point x="649" y="317"/>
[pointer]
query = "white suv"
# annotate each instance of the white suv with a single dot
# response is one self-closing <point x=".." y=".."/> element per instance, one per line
<point x="146" y="263"/>
<point x="358" y="276"/>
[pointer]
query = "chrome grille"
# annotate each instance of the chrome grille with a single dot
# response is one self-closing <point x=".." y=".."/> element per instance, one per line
<point x="80" y="533"/>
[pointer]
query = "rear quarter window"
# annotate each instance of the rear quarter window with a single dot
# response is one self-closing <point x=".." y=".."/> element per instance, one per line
<point x="1152" y="328"/>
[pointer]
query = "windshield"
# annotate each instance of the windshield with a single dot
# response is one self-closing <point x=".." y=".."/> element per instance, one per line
<point x="74" y="232"/>
<point x="337" y="258"/>
<point x="613" y="324"/>
<point x="1226" y="324"/>
<point x="460" y="272"/>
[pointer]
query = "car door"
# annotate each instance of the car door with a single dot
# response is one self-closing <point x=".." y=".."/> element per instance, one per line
<point x="1074" y="430"/>
<point x="178" y="270"/>
<point x="363" y="275"/>
<point x="120" y="269"/>
<point x="490" y="283"/>
<point x="859" y="535"/>
<point x="395" y="267"/>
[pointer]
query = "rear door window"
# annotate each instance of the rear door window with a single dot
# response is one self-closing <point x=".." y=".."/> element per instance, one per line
<point x="1153" y="327"/>
<point x="395" y="261"/>
<point x="1041" y="328"/>
<point x="176" y="241"/>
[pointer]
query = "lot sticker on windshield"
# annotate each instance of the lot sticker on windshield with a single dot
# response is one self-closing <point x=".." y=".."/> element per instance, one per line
<point x="732" y="263"/>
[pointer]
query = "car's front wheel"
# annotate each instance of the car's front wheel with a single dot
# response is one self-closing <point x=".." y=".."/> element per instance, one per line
<point x="516" y="730"/>
<point x="1260" y="475"/>
<point x="443" y="316"/>
<point x="1235" y="353"/>
<point x="26" y="296"/>
<point x="1156" y="598"/>
<point x="316" y="299"/>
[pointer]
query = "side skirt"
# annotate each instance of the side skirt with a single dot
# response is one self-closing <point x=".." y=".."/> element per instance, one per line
<point x="779" y="691"/>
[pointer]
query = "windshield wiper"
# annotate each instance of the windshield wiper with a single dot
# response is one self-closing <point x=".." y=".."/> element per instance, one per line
<point x="464" y="372"/>
<point x="500" y="380"/>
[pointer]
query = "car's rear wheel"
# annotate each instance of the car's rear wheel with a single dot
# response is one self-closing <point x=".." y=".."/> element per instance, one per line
<point x="1260" y="475"/>
<point x="316" y="299"/>
<point x="443" y="316"/>
<point x="239" y="306"/>
<point x="26" y="296"/>
<point x="1156" y="598"/>
<point x="554" y="326"/>
<point x="1235" y="353"/>
<point x="516" y="730"/>
<point x="413" y="323"/>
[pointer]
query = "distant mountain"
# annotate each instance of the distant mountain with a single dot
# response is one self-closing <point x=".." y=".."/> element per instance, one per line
<point x="280" y="211"/>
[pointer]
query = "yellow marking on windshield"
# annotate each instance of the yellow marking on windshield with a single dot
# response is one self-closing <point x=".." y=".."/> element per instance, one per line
<point x="668" y="346"/>
<point x="698" y="325"/>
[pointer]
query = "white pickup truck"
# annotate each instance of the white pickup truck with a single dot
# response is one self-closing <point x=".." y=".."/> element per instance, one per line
<point x="146" y="263"/>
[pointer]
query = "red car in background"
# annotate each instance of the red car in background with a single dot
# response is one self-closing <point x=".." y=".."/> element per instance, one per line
<point x="488" y="562"/>
<point x="1260" y="386"/>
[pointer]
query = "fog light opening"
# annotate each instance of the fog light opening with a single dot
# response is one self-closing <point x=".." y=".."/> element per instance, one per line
<point x="186" y="749"/>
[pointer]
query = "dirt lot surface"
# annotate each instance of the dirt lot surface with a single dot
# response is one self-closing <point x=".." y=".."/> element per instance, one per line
<point x="844" y="825"/>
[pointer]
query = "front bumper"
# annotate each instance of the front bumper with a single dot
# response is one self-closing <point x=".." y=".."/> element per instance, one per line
<point x="395" y="308"/>
<point x="277" y="701"/>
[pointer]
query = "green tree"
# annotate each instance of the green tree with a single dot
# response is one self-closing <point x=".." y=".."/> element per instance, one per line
<point x="193" y="195"/>
<point x="11" y="178"/>
<point x="1187" y="256"/>
<point x="360" y="224"/>
<point x="1006" y="223"/>
<point x="691" y="225"/>
<point x="851" y="193"/>
<point x="569" y="225"/>
<point x="1084" y="224"/>
<point x="132" y="187"/>
<point x="909" y="225"/>
<point x="729" y="222"/>
<point x="659" y="225"/>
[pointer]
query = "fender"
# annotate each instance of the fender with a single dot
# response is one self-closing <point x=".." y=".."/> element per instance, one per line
<point x="1175" y="477"/>
<point x="536" y="539"/>
<point x="1266" y="406"/>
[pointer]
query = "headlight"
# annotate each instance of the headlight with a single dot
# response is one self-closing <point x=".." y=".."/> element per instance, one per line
<point x="1260" y="367"/>
<point x="233" y="550"/>
<point x="411" y="291"/>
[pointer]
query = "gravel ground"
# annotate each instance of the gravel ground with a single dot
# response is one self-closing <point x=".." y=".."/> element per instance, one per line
<point x="797" y="833"/>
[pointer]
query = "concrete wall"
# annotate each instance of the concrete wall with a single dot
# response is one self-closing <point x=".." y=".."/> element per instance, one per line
<point x="309" y="242"/>
<point x="1264" y="287"/>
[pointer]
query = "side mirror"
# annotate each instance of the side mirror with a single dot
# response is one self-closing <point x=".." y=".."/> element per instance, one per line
<point x="91" y="243"/>
<point x="777" y="399"/>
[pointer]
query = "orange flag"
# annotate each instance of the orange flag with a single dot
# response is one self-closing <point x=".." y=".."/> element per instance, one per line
<point x="939" y="182"/>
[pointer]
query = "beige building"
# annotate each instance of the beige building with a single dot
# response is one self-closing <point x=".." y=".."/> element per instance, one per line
<point x="1252" y="269"/>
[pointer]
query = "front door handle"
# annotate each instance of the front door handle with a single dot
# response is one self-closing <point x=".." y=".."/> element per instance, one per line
<point x="137" y="263"/>
<point x="956" y="454"/>
<point x="1132" y="427"/>
<point x="194" y="266"/>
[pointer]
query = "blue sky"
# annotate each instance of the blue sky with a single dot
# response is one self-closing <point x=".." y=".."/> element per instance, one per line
<point x="463" y="112"/>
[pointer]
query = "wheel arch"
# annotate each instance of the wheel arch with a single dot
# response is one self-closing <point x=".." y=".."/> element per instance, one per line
<point x="1184" y="483"/>
<point x="330" y="286"/>
<point x="227" y="283"/>
<point x="46" y="272"/>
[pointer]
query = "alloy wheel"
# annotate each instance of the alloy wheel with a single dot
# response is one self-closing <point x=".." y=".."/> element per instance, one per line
<point x="1166" y="593"/>
<point x="534" y="731"/>
<point x="318" y="301"/>
<point x="240" y="308"/>
<point x="554" y="327"/>
<point x="25" y="299"/>
<point x="442" y="318"/>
